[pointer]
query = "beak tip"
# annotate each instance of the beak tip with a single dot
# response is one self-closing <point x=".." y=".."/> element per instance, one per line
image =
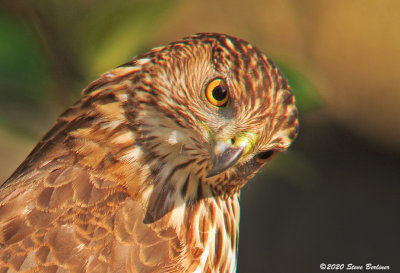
<point x="212" y="173"/>
<point x="223" y="160"/>
<point x="209" y="175"/>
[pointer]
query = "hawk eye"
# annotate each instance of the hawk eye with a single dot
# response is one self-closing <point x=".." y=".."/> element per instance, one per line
<point x="217" y="92"/>
<point x="265" y="156"/>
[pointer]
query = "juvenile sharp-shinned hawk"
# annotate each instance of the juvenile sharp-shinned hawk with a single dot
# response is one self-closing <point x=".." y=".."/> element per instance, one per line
<point x="143" y="173"/>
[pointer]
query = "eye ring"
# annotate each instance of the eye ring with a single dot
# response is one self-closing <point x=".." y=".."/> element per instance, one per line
<point x="217" y="92"/>
<point x="265" y="156"/>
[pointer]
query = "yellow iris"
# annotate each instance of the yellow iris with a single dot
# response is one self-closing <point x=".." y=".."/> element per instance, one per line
<point x="217" y="92"/>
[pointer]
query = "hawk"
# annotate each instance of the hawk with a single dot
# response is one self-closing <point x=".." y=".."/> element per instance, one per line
<point x="143" y="173"/>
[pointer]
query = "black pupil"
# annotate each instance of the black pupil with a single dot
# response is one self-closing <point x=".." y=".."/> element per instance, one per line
<point x="219" y="92"/>
<point x="265" y="155"/>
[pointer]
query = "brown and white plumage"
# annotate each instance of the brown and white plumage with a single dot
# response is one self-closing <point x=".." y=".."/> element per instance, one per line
<point x="134" y="176"/>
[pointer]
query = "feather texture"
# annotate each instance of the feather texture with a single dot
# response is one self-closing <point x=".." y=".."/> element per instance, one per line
<point x="120" y="183"/>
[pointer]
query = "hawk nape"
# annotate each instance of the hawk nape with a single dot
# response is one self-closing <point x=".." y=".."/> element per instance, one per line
<point x="143" y="173"/>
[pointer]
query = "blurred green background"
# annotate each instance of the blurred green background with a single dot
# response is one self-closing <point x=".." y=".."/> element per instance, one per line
<point x="333" y="198"/>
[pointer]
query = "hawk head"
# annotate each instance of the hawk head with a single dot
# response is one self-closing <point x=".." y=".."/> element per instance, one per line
<point x="215" y="102"/>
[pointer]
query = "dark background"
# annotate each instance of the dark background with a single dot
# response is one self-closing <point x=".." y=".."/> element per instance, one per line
<point x="332" y="198"/>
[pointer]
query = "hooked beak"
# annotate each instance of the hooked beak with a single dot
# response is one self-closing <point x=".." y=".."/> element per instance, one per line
<point x="224" y="156"/>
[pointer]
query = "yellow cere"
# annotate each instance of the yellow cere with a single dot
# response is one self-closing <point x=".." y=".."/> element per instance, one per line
<point x="246" y="139"/>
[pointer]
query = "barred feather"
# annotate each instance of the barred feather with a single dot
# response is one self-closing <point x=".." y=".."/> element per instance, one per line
<point x="120" y="183"/>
